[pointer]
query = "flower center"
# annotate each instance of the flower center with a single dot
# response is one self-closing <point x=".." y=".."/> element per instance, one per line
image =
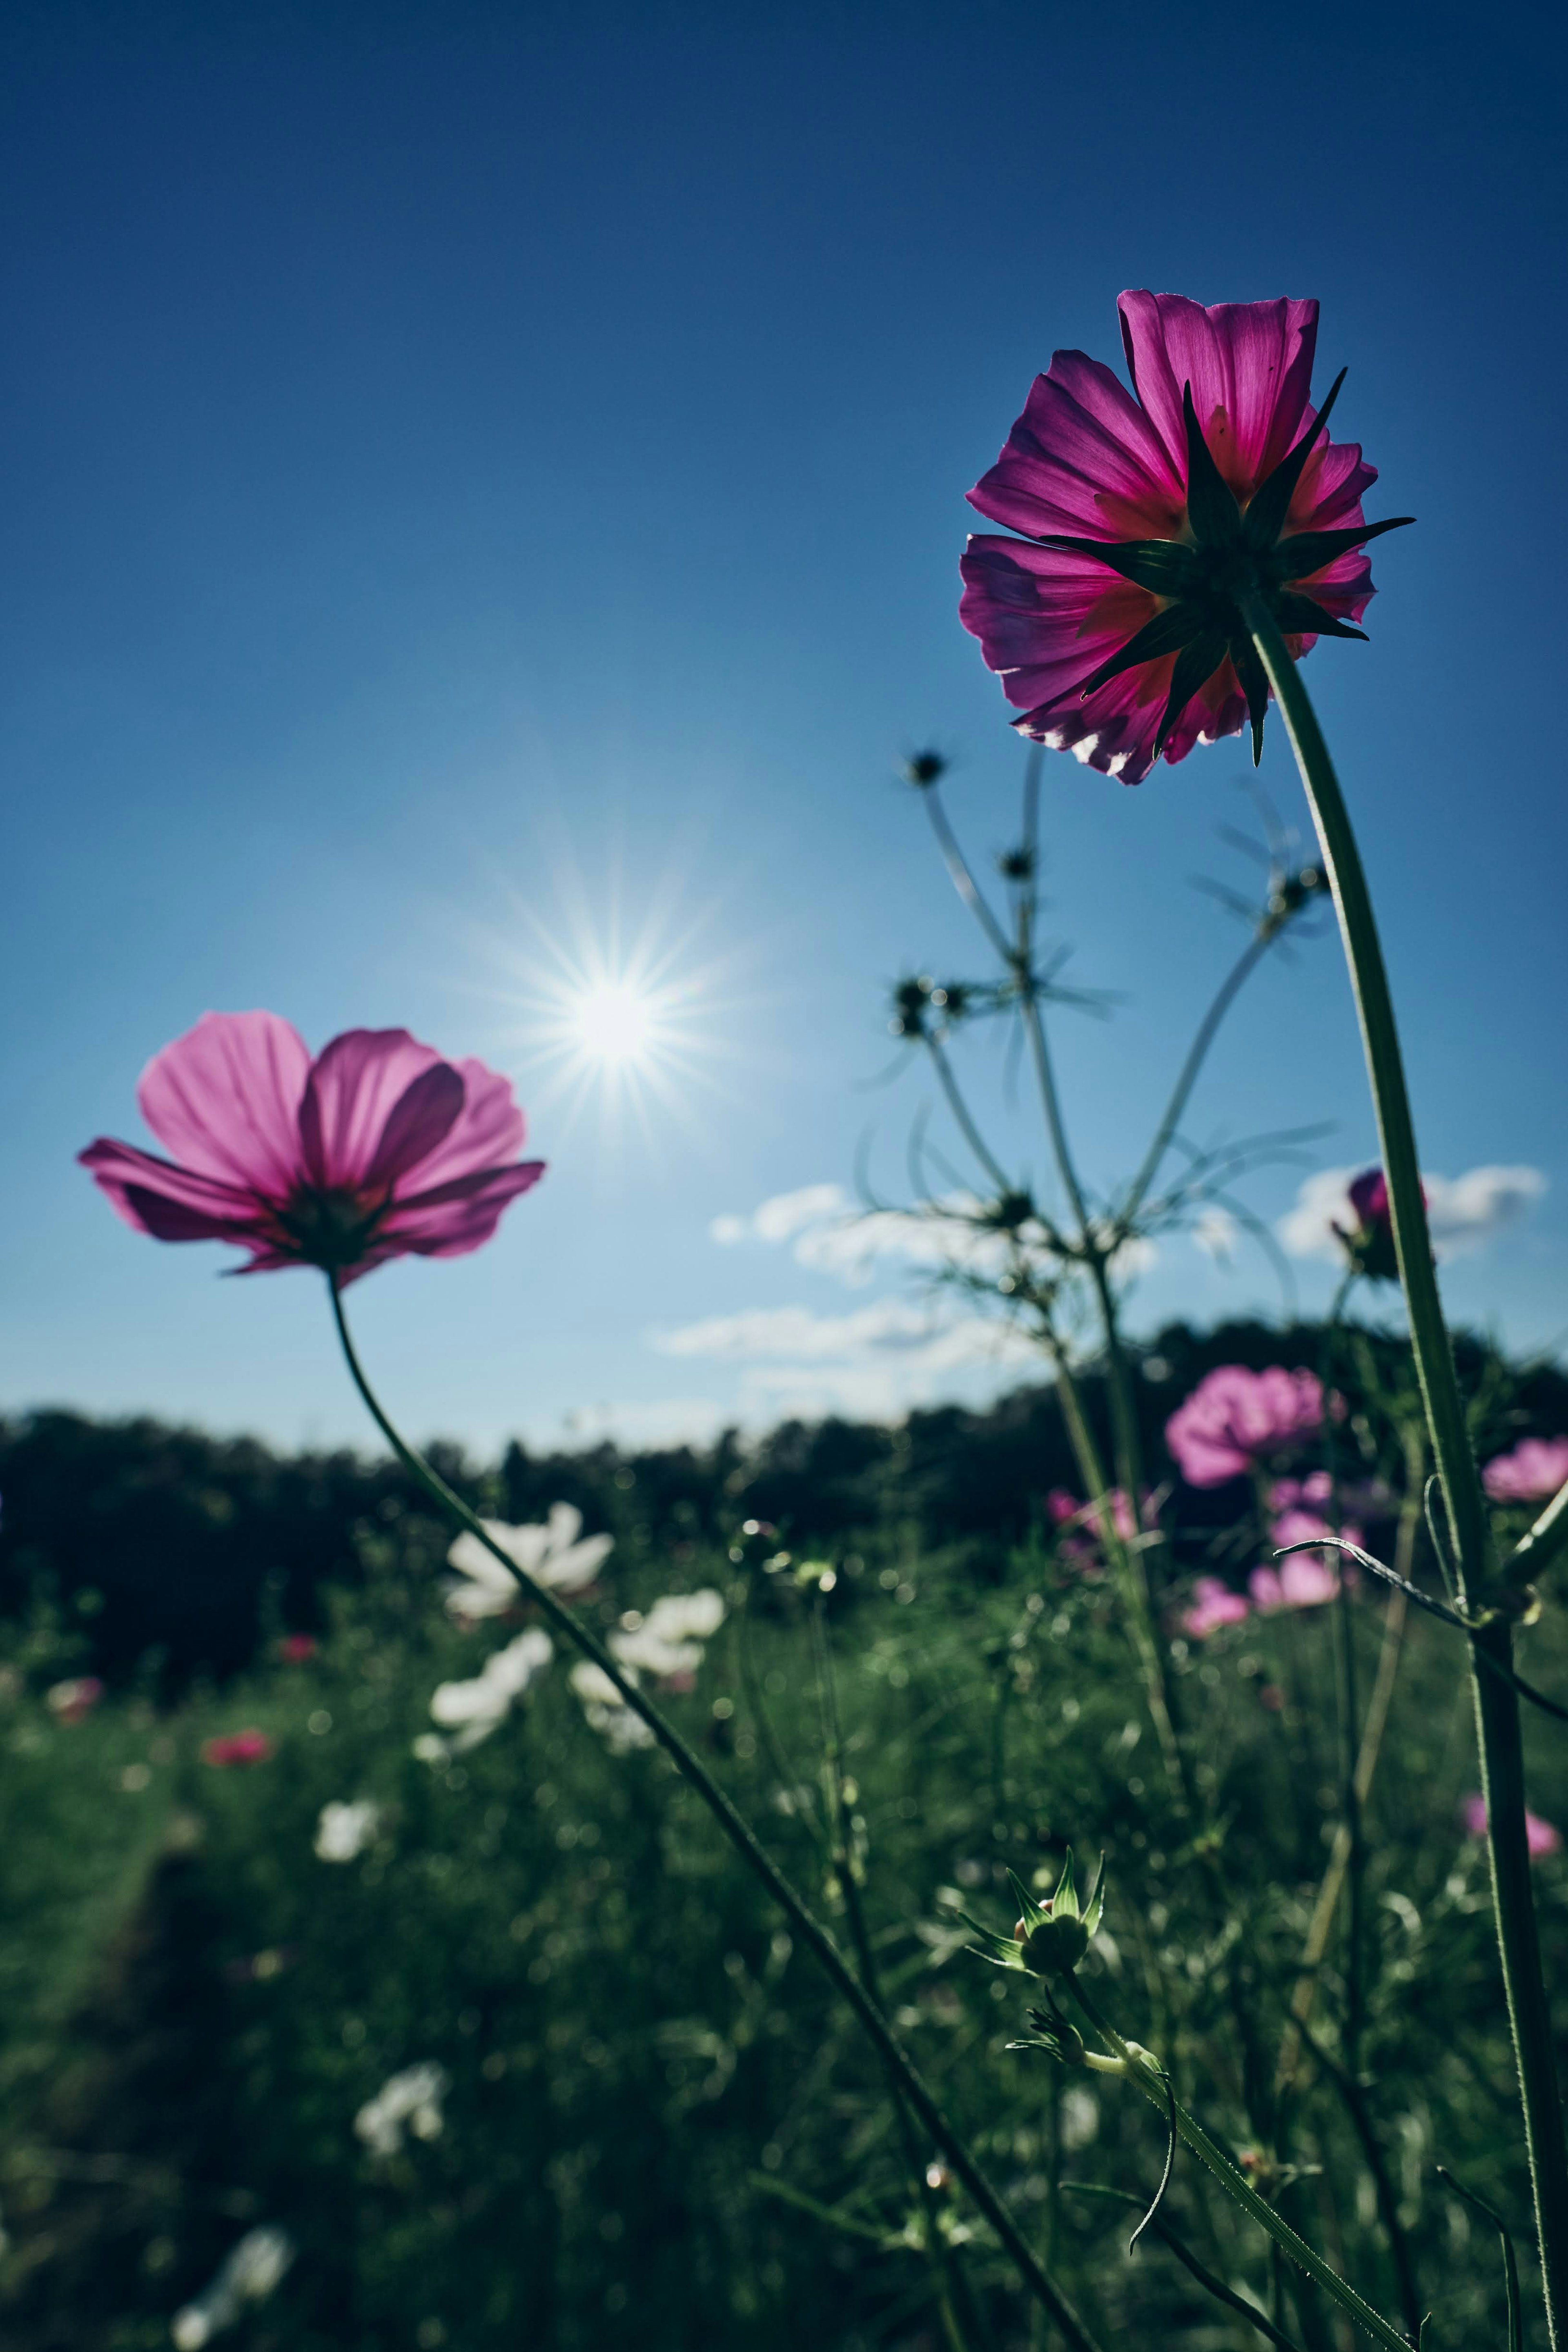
<point x="329" y="1228"/>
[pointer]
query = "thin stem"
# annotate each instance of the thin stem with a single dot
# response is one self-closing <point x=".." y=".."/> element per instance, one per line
<point x="961" y="1113"/>
<point x="1229" y="988"/>
<point x="1238" y="2188"/>
<point x="1355" y="2106"/>
<point x="962" y="876"/>
<point x="1189" y="2262"/>
<point x="943" y="2260"/>
<point x="1498" y="1736"/>
<point x="1127" y="1560"/>
<point x="693" y="1771"/>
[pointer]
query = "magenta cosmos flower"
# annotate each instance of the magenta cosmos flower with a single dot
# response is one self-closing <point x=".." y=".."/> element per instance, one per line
<point x="1114" y="622"/>
<point x="1234" y="1418"/>
<point x="1540" y="1837"/>
<point x="1530" y="1474"/>
<point x="376" y="1149"/>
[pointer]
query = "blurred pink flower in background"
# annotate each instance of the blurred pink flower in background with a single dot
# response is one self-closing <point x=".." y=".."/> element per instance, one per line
<point x="1302" y="1581"/>
<point x="1235" y="1417"/>
<point x="1530" y="1474"/>
<point x="250" y="1747"/>
<point x="1118" y="656"/>
<point x="294" y="1649"/>
<point x="1312" y="1491"/>
<point x="377" y="1149"/>
<point x="1539" y="1835"/>
<point x="1214" y="1606"/>
<point x="69" y="1701"/>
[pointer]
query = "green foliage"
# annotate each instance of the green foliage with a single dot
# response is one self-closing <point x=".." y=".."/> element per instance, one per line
<point x="655" y="2117"/>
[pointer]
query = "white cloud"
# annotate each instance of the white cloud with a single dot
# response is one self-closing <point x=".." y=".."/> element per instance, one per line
<point x="1464" y="1212"/>
<point x="1216" y="1233"/>
<point x="650" y="1422"/>
<point x="892" y="1327"/>
<point x="831" y="1235"/>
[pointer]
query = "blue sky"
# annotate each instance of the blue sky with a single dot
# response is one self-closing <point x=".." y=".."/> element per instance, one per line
<point x="486" y="491"/>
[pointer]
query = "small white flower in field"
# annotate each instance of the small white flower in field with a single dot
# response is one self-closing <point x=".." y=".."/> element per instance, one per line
<point x="408" y="2101"/>
<point x="248" y="2275"/>
<point x="606" y="1710"/>
<point x="345" y="1830"/>
<point x="668" y="1641"/>
<point x="474" y="1709"/>
<point x="551" y="1553"/>
<point x="431" y="1749"/>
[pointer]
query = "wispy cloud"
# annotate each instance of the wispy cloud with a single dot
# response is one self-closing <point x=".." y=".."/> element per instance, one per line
<point x="1464" y="1212"/>
<point x="830" y="1233"/>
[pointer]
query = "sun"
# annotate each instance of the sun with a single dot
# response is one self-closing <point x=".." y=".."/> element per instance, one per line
<point x="616" y="1022"/>
<point x="621" y="1012"/>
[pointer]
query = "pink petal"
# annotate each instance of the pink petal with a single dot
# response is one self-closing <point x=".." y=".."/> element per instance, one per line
<point x="450" y="1220"/>
<point x="355" y="1088"/>
<point x="173" y="1204"/>
<point x="488" y="1132"/>
<point x="1085" y="460"/>
<point x="1249" y="365"/>
<point x="224" y="1099"/>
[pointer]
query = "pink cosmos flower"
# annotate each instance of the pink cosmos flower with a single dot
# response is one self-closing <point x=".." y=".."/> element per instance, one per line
<point x="377" y="1149"/>
<point x="1310" y="1493"/>
<point x="1530" y="1474"/>
<point x="1302" y="1581"/>
<point x="1114" y="622"/>
<point x="69" y="1701"/>
<point x="1540" y="1836"/>
<point x="1235" y="1416"/>
<point x="248" y="1747"/>
<point x="297" y="1649"/>
<point x="1214" y="1606"/>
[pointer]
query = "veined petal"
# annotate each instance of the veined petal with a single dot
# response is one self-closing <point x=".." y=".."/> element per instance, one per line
<point x="454" y="1217"/>
<point x="175" y="1204"/>
<point x="354" y="1088"/>
<point x="1249" y="365"/>
<point x="224" y="1099"/>
<point x="488" y="1132"/>
<point x="1082" y="458"/>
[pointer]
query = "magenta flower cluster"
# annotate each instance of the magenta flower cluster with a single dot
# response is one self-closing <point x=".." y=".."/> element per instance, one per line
<point x="374" y="1149"/>
<point x="1236" y="1419"/>
<point x="1532" y="1473"/>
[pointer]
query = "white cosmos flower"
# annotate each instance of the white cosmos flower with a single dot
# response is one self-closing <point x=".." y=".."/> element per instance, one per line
<point x="606" y="1710"/>
<point x="474" y="1709"/>
<point x="551" y="1553"/>
<point x="408" y="2101"/>
<point x="248" y="2275"/>
<point x="345" y="1830"/>
<point x="668" y="1641"/>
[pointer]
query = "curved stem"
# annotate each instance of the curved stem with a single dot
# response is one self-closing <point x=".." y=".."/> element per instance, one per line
<point x="962" y="875"/>
<point x="1230" y="987"/>
<point x="1496" y="1702"/>
<point x="1236" y="2185"/>
<point x="693" y="1771"/>
<point x="962" y="1114"/>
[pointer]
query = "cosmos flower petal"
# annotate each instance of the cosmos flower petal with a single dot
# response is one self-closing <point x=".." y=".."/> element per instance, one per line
<point x="1082" y="458"/>
<point x="224" y="1099"/>
<point x="175" y="1204"/>
<point x="354" y="1089"/>
<point x="488" y="1131"/>
<point x="455" y="1217"/>
<point x="1249" y="365"/>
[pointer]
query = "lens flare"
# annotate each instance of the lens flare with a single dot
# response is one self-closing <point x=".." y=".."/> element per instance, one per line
<point x="617" y="1023"/>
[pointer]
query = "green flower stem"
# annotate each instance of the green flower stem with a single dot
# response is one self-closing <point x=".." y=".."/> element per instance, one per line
<point x="688" y="1764"/>
<point x="1236" y="2186"/>
<point x="1496" y="1704"/>
<point x="1132" y="1577"/>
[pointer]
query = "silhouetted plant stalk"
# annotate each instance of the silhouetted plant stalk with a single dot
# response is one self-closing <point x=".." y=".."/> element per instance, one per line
<point x="867" y="2010"/>
<point x="1088" y="1244"/>
<point x="1496" y="1701"/>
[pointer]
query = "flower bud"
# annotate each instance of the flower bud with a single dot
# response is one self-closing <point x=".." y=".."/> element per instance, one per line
<point x="1055" y="1947"/>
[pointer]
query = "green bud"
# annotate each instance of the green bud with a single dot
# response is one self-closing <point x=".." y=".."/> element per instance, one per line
<point x="1055" y="1947"/>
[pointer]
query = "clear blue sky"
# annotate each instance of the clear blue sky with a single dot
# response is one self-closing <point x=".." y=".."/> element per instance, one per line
<point x="479" y="476"/>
